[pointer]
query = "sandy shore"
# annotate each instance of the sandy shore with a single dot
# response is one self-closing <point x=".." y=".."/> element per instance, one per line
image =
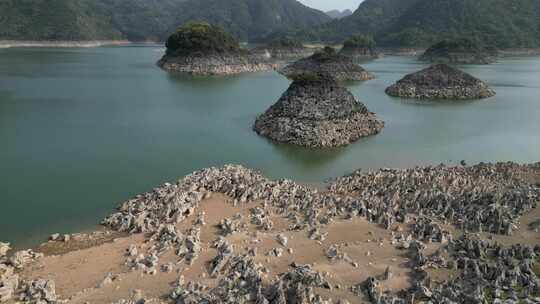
<point x="98" y="268"/>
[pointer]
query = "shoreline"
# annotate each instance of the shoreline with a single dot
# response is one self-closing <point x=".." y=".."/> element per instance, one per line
<point x="62" y="44"/>
<point x="250" y="216"/>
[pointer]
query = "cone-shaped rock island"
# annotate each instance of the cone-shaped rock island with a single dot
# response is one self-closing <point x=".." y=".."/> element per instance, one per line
<point x="317" y="112"/>
<point x="440" y="82"/>
<point x="328" y="61"/>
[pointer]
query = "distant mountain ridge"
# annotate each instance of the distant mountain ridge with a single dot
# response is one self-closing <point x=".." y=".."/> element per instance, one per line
<point x="140" y="20"/>
<point x="500" y="23"/>
<point x="337" y="14"/>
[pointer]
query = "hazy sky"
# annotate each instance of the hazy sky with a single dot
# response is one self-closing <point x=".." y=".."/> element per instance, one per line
<point x="327" y="5"/>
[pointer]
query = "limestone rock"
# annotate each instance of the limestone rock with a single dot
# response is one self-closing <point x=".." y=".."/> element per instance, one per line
<point x="440" y="82"/>
<point x="317" y="112"/>
<point x="4" y="248"/>
<point x="339" y="67"/>
<point x="24" y="257"/>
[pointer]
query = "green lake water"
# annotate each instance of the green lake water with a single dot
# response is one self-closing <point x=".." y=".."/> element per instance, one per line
<point x="82" y="130"/>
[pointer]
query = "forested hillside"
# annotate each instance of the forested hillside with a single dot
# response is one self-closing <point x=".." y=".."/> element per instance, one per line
<point x="147" y="19"/>
<point x="500" y="23"/>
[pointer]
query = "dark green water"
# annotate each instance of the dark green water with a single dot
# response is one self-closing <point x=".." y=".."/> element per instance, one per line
<point x="82" y="130"/>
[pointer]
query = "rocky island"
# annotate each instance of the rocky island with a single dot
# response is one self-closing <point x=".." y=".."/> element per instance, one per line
<point x="315" y="112"/>
<point x="328" y="61"/>
<point x="199" y="48"/>
<point x="459" y="51"/>
<point x="284" y="49"/>
<point x="360" y="47"/>
<point x="436" y="234"/>
<point x="440" y="81"/>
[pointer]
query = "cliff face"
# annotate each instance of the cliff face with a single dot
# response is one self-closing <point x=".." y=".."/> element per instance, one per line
<point x="317" y="112"/>
<point x="341" y="67"/>
<point x="203" y="49"/>
<point x="440" y="82"/>
<point x="460" y="51"/>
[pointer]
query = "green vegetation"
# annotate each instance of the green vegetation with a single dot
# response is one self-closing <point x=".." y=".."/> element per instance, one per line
<point x="252" y="19"/>
<point x="421" y="23"/>
<point x="457" y="45"/>
<point x="359" y="41"/>
<point x="196" y="38"/>
<point x="306" y="77"/>
<point x="140" y="20"/>
<point x="73" y="20"/>
<point x="326" y="54"/>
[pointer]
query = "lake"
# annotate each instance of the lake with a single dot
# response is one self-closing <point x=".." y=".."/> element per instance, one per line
<point x="82" y="130"/>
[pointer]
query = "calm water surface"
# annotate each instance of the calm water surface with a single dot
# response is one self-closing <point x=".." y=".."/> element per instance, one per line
<point x="82" y="130"/>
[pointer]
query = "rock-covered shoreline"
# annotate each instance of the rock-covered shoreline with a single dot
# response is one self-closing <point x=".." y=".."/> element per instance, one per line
<point x="422" y="209"/>
<point x="317" y="112"/>
<point x="440" y="82"/>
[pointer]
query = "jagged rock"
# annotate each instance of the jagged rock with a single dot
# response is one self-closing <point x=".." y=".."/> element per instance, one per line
<point x="9" y="283"/>
<point x="261" y="219"/>
<point x="387" y="274"/>
<point x="200" y="219"/>
<point x="440" y="82"/>
<point x="444" y="193"/>
<point x="39" y="291"/>
<point x="132" y="251"/>
<point x="232" y="225"/>
<point x="333" y="253"/>
<point x="24" y="257"/>
<point x="460" y="51"/>
<point x="108" y="280"/>
<point x="4" y="248"/>
<point x="317" y="235"/>
<point x="485" y="197"/>
<point x="282" y="240"/>
<point x="317" y="112"/>
<point x="327" y="61"/>
<point x="201" y="49"/>
<point x="275" y="252"/>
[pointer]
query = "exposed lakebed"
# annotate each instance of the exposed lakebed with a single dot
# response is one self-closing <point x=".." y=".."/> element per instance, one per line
<point x="84" y="129"/>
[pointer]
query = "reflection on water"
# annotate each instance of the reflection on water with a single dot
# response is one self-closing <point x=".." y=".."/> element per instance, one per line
<point x="84" y="129"/>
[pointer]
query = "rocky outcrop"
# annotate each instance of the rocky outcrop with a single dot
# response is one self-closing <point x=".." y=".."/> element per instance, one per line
<point x="460" y="51"/>
<point x="327" y="61"/>
<point x="481" y="198"/>
<point x="215" y="64"/>
<point x="360" y="47"/>
<point x="317" y="112"/>
<point x="440" y="82"/>
<point x="10" y="284"/>
<point x="201" y="49"/>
